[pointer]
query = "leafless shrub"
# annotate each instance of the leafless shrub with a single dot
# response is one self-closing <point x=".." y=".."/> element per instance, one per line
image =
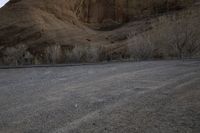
<point x="180" y="38"/>
<point x="171" y="38"/>
<point x="82" y="53"/>
<point x="185" y="40"/>
<point x="53" y="54"/>
<point x="14" y="55"/>
<point x="140" y="47"/>
<point x="104" y="53"/>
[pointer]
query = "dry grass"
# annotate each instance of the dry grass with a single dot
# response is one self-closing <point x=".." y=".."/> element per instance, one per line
<point x="53" y="54"/>
<point x="170" y="37"/>
<point x="176" y="36"/>
<point x="140" y="46"/>
<point x="82" y="54"/>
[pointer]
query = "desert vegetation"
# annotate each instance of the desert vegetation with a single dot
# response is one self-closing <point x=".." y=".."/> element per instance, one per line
<point x="140" y="47"/>
<point x="182" y="38"/>
<point x="82" y="54"/>
<point x="177" y="38"/>
<point x="165" y="31"/>
<point x="53" y="54"/>
<point x="172" y="37"/>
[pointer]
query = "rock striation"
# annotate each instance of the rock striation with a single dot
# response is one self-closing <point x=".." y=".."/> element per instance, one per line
<point x="28" y="27"/>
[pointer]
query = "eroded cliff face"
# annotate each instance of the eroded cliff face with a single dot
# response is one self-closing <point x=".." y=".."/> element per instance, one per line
<point x="34" y="28"/>
<point x="112" y="12"/>
<point x="103" y="12"/>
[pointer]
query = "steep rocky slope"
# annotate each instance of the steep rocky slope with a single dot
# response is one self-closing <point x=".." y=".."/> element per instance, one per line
<point x="32" y="30"/>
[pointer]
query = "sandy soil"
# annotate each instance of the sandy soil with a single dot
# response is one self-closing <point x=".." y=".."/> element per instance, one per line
<point x="141" y="97"/>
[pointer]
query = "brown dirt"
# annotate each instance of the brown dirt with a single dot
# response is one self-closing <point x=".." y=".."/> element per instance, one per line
<point x="28" y="27"/>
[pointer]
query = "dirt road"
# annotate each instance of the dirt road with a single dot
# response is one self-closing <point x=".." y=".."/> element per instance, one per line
<point x="140" y="97"/>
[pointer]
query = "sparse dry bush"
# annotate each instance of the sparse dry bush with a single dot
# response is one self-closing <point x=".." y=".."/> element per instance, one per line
<point x="140" y="47"/>
<point x="171" y="38"/>
<point x="178" y="38"/>
<point x="184" y="38"/>
<point x="17" y="58"/>
<point x="104" y="53"/>
<point x="82" y="53"/>
<point x="53" y="54"/>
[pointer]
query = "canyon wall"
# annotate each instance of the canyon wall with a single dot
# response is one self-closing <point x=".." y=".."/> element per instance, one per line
<point x="33" y="28"/>
<point x="108" y="12"/>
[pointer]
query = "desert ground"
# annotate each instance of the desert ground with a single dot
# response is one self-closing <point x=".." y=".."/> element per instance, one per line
<point x="130" y="97"/>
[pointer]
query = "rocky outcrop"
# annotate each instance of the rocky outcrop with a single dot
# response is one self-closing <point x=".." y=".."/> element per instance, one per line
<point x="29" y="28"/>
<point x="112" y="12"/>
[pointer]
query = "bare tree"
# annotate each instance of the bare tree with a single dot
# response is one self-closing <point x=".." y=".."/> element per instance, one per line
<point x="140" y="46"/>
<point x="53" y="54"/>
<point x="82" y="54"/>
<point x="183" y="38"/>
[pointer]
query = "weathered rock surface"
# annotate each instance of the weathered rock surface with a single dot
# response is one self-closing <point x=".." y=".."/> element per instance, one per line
<point x="32" y="28"/>
<point x="120" y="11"/>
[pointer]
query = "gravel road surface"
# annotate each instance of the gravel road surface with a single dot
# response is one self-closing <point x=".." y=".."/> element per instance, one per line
<point x="139" y="97"/>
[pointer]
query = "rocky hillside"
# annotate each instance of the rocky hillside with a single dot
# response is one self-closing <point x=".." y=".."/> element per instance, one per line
<point x="45" y="31"/>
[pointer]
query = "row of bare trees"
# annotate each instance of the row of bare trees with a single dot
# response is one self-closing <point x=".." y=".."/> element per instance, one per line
<point x="176" y="39"/>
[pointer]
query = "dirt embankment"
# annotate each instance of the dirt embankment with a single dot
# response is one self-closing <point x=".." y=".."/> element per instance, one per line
<point x="41" y="31"/>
